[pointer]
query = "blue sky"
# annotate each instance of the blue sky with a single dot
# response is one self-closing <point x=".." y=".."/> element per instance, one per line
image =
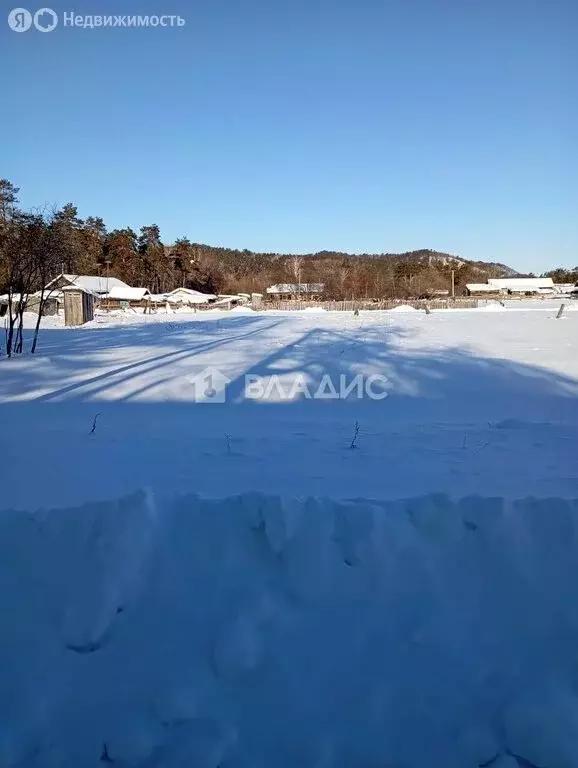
<point x="380" y="125"/>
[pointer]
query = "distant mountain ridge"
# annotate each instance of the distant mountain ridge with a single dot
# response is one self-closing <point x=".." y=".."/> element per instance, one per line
<point x="343" y="274"/>
<point x="429" y="257"/>
<point x="419" y="256"/>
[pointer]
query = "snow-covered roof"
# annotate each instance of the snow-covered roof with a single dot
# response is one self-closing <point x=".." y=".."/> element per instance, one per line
<point x="4" y="298"/>
<point x="126" y="293"/>
<point x="296" y="288"/>
<point x="192" y="292"/>
<point x="36" y="295"/>
<point x="190" y="296"/>
<point x="93" y="283"/>
<point x="229" y="299"/>
<point x="530" y="288"/>
<point x="69" y="288"/>
<point x="481" y="288"/>
<point x="510" y="283"/>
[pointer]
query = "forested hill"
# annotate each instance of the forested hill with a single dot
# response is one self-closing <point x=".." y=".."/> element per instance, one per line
<point x="60" y="240"/>
<point x="344" y="275"/>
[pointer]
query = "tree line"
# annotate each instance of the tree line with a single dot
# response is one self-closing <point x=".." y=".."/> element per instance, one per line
<point x="36" y="246"/>
<point x="563" y="275"/>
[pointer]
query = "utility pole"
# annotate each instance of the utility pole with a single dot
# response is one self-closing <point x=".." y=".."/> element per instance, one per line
<point x="453" y="283"/>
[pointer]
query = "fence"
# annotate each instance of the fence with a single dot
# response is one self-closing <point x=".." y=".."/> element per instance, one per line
<point x="351" y="306"/>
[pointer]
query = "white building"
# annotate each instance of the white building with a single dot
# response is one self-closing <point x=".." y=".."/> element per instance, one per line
<point x="542" y="286"/>
<point x="481" y="288"/>
<point x="127" y="293"/>
<point x="564" y="288"/>
<point x="295" y="290"/>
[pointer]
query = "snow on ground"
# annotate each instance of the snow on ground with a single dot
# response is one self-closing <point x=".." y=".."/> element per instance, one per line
<point x="404" y="308"/>
<point x="275" y="597"/>
<point x="259" y="632"/>
<point x="457" y="382"/>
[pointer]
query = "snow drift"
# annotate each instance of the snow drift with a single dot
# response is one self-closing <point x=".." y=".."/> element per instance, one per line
<point x="256" y="631"/>
<point x="404" y="308"/>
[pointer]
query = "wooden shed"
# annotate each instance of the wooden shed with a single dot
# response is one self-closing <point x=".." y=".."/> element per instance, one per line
<point x="78" y="306"/>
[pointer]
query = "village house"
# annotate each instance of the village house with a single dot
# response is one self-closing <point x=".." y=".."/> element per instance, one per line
<point x="32" y="303"/>
<point x="189" y="296"/>
<point x="228" y="301"/>
<point x="513" y="286"/>
<point x="98" y="285"/>
<point x="296" y="291"/>
<point x="53" y="301"/>
<point x="526" y="286"/>
<point x="123" y="297"/>
<point x="481" y="289"/>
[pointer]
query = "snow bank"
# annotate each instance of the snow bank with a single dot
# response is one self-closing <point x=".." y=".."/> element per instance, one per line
<point x="242" y="310"/>
<point x="403" y="308"/>
<point x="253" y="631"/>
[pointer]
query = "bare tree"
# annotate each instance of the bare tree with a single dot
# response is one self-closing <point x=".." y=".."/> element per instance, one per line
<point x="296" y="266"/>
<point x="32" y="250"/>
<point x="8" y="232"/>
<point x="47" y="251"/>
<point x="20" y="274"/>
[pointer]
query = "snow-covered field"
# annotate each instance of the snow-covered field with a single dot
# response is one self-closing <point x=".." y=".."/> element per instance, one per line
<point x="233" y="585"/>
<point x="479" y="401"/>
